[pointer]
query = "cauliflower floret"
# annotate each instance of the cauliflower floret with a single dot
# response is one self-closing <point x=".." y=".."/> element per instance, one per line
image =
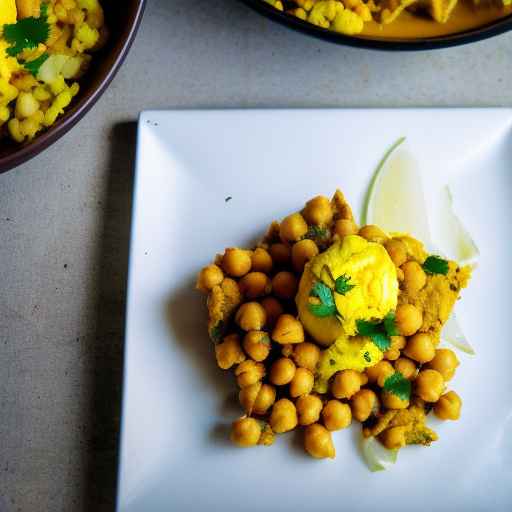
<point x="324" y="12"/>
<point x="348" y="22"/>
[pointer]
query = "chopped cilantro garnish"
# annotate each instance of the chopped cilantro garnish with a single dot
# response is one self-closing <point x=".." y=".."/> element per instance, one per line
<point x="367" y="357"/>
<point x="376" y="331"/>
<point x="217" y="332"/>
<point x="27" y="33"/>
<point x="390" y="325"/>
<point x="398" y="385"/>
<point x="435" y="265"/>
<point x="342" y="285"/>
<point x="33" y="66"/>
<point x="326" y="306"/>
<point x="317" y="232"/>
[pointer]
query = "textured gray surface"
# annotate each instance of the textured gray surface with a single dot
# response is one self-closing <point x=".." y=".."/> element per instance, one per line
<point x="64" y="219"/>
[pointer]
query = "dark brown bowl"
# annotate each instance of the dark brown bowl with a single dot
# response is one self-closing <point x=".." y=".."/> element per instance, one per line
<point x="427" y="43"/>
<point x="123" y="24"/>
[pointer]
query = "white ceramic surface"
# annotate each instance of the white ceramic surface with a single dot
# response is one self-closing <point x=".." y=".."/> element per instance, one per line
<point x="175" y="453"/>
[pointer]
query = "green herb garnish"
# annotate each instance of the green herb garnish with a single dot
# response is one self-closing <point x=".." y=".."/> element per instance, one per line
<point x="398" y="385"/>
<point x="378" y="332"/>
<point x="327" y="307"/>
<point x="342" y="285"/>
<point x="367" y="357"/>
<point x="217" y="332"/>
<point x="33" y="66"/>
<point x="435" y="265"/>
<point x="317" y="232"/>
<point x="390" y="325"/>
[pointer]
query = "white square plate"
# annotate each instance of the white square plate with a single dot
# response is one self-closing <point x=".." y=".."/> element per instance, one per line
<point x="175" y="453"/>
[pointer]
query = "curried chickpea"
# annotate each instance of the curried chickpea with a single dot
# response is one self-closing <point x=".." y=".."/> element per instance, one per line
<point x="288" y="330"/>
<point x="414" y="277"/>
<point x="397" y="251"/>
<point x="209" y="277"/>
<point x="420" y="348"/>
<point x="236" y="262"/>
<point x="302" y="252"/>
<point x="265" y="399"/>
<point x="344" y="227"/>
<point x="379" y="372"/>
<point x="408" y="319"/>
<point x="391" y="401"/>
<point x="261" y="261"/>
<point x="251" y="316"/>
<point x="373" y="234"/>
<point x="293" y="228"/>
<point x="363" y="404"/>
<point x="318" y="211"/>
<point x="255" y="284"/>
<point x="393" y="437"/>
<point x="445" y="362"/>
<point x="249" y="372"/>
<point x="245" y="432"/>
<point x="336" y="415"/>
<point x="306" y="355"/>
<point x="273" y="309"/>
<point x="302" y="382"/>
<point x="429" y="385"/>
<point x="308" y="409"/>
<point x="282" y="371"/>
<point x="284" y="285"/>
<point x="392" y="354"/>
<point x="318" y="442"/>
<point x="406" y="367"/>
<point x="400" y="274"/>
<point x="229" y="352"/>
<point x="247" y="396"/>
<point x="346" y="384"/>
<point x="280" y="254"/>
<point x="257" y="345"/>
<point x="448" y="406"/>
<point x="283" y="417"/>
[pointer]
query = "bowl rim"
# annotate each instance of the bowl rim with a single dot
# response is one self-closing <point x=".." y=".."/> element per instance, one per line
<point x="82" y="106"/>
<point x="486" y="31"/>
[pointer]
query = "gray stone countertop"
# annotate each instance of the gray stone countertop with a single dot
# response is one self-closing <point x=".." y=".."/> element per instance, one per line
<point x="64" y="219"/>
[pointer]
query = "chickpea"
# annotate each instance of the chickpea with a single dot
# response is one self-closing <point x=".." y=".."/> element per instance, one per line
<point x="336" y="415"/>
<point x="287" y="350"/>
<point x="406" y="367"/>
<point x="302" y="382"/>
<point x="302" y="252"/>
<point x="209" y="277"/>
<point x="280" y="253"/>
<point x="344" y="227"/>
<point x="393" y="437"/>
<point x="236" y="262"/>
<point x="255" y="284"/>
<point x="318" y="442"/>
<point x="288" y="330"/>
<point x="251" y="316"/>
<point x="273" y="310"/>
<point x="257" y="345"/>
<point x="392" y="354"/>
<point x="249" y="372"/>
<point x="420" y="348"/>
<point x="400" y="274"/>
<point x="346" y="384"/>
<point x="363" y="404"/>
<point x="284" y="416"/>
<point x="318" y="211"/>
<point x="414" y="277"/>
<point x="247" y="396"/>
<point x="306" y="355"/>
<point x="379" y="372"/>
<point x="284" y="285"/>
<point x="245" y="432"/>
<point x="408" y="319"/>
<point x="293" y="228"/>
<point x="428" y="385"/>
<point x="445" y="362"/>
<point x="397" y="251"/>
<point x="397" y="342"/>
<point x="282" y="371"/>
<point x="308" y="409"/>
<point x="261" y="261"/>
<point x="373" y="234"/>
<point x="448" y="406"/>
<point x="391" y="401"/>
<point x="229" y="352"/>
<point x="265" y="399"/>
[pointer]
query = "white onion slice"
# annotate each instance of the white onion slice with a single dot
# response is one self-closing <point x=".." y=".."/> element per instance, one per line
<point x="377" y="456"/>
<point x="453" y="334"/>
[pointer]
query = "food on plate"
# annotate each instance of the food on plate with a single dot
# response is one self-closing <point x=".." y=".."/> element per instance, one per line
<point x="327" y="324"/>
<point x="395" y="18"/>
<point x="45" y="47"/>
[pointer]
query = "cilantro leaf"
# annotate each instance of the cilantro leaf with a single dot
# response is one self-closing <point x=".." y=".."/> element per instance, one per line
<point x="390" y="325"/>
<point x="316" y="232"/>
<point x="342" y="285"/>
<point x="33" y="66"/>
<point x="27" y="33"/>
<point x="381" y="340"/>
<point x="327" y="307"/>
<point x="365" y="328"/>
<point x="376" y="332"/>
<point x="435" y="265"/>
<point x="398" y="385"/>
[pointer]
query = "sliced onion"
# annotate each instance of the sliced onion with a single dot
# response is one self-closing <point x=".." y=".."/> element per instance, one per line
<point x="377" y="456"/>
<point x="453" y="334"/>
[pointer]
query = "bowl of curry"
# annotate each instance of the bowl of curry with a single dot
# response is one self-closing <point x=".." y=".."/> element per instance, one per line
<point x="392" y="24"/>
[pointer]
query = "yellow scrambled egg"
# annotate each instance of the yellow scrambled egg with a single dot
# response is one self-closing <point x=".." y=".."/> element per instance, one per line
<point x="8" y="11"/>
